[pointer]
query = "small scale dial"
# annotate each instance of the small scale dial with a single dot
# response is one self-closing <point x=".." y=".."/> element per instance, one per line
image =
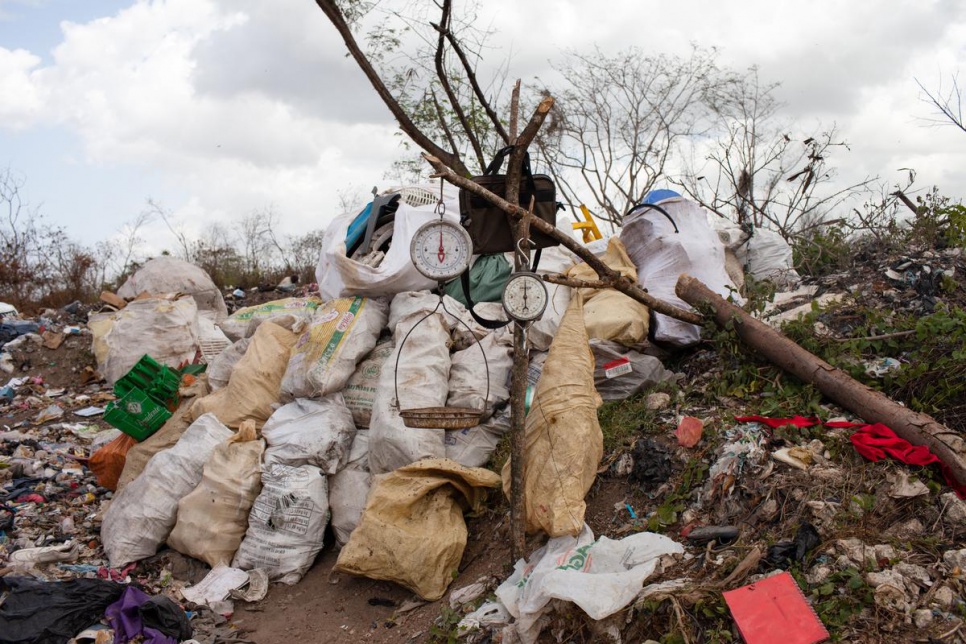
<point x="525" y="297"/>
<point x="441" y="250"/>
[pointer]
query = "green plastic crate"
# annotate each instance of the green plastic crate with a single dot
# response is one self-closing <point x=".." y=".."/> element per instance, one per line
<point x="158" y="381"/>
<point x="136" y="414"/>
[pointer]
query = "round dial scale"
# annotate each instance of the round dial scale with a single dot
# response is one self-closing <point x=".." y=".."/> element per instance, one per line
<point x="525" y="297"/>
<point x="441" y="250"/>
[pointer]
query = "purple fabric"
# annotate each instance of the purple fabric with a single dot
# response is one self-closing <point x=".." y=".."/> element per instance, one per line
<point x="125" y="619"/>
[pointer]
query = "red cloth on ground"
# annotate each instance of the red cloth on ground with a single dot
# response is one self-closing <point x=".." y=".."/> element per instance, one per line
<point x="877" y="441"/>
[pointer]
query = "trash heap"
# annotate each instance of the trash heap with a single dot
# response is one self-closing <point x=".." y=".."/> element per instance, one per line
<point x="211" y="454"/>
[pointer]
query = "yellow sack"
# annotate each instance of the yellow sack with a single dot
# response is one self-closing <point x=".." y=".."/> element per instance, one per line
<point x="412" y="530"/>
<point x="564" y="443"/>
<point x="255" y="381"/>
<point x="139" y="455"/>
<point x="213" y="518"/>
<point x="609" y="314"/>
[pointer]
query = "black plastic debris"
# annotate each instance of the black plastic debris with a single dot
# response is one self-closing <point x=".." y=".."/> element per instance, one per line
<point x="162" y="614"/>
<point x="652" y="464"/>
<point x="38" y="612"/>
<point x="720" y="533"/>
<point x="784" y="553"/>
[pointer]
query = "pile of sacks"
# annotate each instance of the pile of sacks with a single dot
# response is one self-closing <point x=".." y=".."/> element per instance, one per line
<point x="292" y="420"/>
<point x="298" y="414"/>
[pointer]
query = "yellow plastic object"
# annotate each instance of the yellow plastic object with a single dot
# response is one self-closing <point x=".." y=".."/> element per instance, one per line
<point x="589" y="227"/>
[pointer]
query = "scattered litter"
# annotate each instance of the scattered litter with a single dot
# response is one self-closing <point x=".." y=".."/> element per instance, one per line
<point x="881" y="367"/>
<point x="87" y="412"/>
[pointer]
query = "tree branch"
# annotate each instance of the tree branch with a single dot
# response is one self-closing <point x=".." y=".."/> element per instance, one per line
<point x="334" y="14"/>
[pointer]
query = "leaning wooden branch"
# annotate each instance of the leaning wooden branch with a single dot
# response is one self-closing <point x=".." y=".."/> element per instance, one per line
<point x="332" y="11"/>
<point x="872" y="406"/>
<point x="622" y="284"/>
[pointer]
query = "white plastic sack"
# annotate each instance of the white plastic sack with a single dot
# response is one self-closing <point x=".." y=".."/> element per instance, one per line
<point x="219" y="370"/>
<point x="287" y="523"/>
<point x="141" y="516"/>
<point x="349" y="488"/>
<point x="213" y="517"/>
<point x="285" y="312"/>
<point x="473" y="447"/>
<point x="164" y="275"/>
<point x="661" y="256"/>
<point x="310" y="432"/>
<point x="469" y="375"/>
<point x="768" y="256"/>
<point x="620" y="372"/>
<point x="166" y="330"/>
<point x="340" y="333"/>
<point x="552" y="261"/>
<point x="340" y="276"/>
<point x="423" y="381"/>
<point x="601" y="577"/>
<point x="360" y="391"/>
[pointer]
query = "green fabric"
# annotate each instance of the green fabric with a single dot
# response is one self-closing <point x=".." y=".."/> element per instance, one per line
<point x="488" y="276"/>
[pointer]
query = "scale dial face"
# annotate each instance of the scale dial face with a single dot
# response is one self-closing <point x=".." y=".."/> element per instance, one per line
<point x="525" y="297"/>
<point x="441" y="250"/>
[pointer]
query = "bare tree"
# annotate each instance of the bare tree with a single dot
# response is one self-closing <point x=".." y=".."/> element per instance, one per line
<point x="434" y="91"/>
<point x="619" y="121"/>
<point x="949" y="104"/>
<point x="155" y="209"/>
<point x="757" y="172"/>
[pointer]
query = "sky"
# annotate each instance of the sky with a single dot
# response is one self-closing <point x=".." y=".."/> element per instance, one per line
<point x="214" y="109"/>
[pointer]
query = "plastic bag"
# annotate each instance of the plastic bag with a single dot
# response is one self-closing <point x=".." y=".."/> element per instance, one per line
<point x="488" y="276"/>
<point x="412" y="530"/>
<point x="340" y="276"/>
<point x="164" y="275"/>
<point x="340" y="333"/>
<point x="240" y="323"/>
<point x="255" y="381"/>
<point x="610" y="314"/>
<point x="286" y="524"/>
<point x="564" y="443"/>
<point x="219" y="370"/>
<point x="349" y="489"/>
<point x="107" y="463"/>
<point x="141" y="516"/>
<point x="166" y="330"/>
<point x="473" y="447"/>
<point x="661" y="256"/>
<point x="541" y="333"/>
<point x="768" y="256"/>
<point x="212" y="519"/>
<point x="469" y="373"/>
<point x="360" y="390"/>
<point x="620" y="372"/>
<point x="43" y="612"/>
<point x="601" y="577"/>
<point x="423" y="381"/>
<point x="310" y="432"/>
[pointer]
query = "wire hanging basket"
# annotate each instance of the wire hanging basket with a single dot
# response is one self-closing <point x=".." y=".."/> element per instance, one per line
<point x="441" y="417"/>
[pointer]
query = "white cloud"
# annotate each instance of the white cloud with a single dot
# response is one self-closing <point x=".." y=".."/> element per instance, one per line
<point x="20" y="97"/>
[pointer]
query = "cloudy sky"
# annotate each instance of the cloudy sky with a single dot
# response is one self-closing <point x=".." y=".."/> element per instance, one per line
<point x="216" y="108"/>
